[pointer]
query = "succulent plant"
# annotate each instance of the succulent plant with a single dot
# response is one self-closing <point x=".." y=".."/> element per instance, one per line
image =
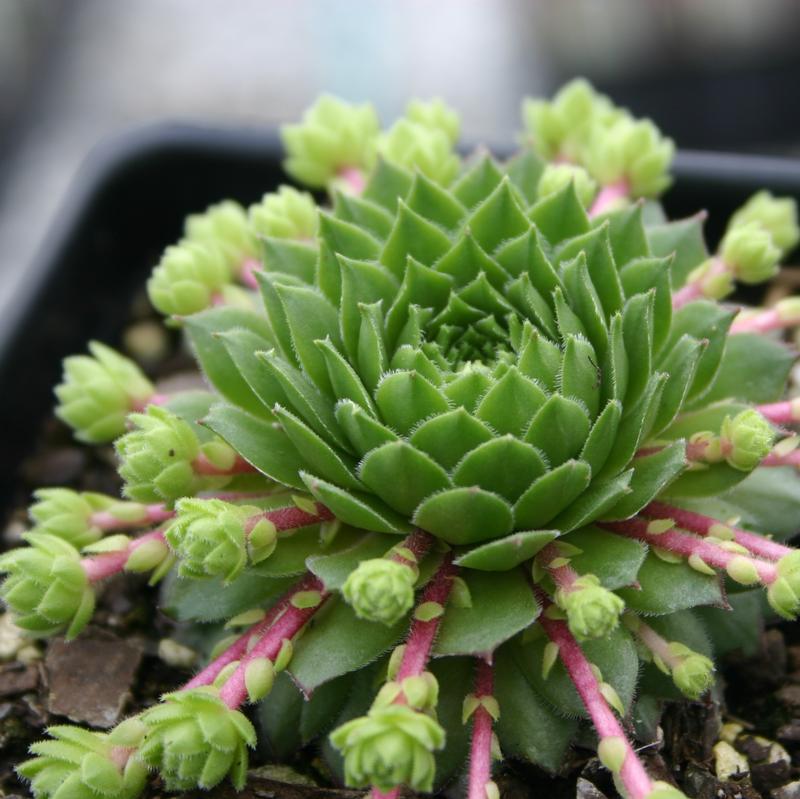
<point x="487" y="430"/>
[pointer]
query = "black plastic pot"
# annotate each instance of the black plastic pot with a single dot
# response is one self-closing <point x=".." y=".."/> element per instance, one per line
<point x="128" y="202"/>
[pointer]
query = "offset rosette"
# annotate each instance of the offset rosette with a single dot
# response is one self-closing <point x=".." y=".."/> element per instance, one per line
<point x="392" y="745"/>
<point x="78" y="764"/>
<point x="47" y="588"/>
<point x="194" y="739"/>
<point x="98" y="391"/>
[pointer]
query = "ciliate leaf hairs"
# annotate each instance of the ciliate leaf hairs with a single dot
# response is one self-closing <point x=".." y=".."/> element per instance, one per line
<point x="484" y="461"/>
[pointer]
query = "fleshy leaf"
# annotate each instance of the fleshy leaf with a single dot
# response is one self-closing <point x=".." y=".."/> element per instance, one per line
<point x="465" y="515"/>
<point x="613" y="559"/>
<point x="505" y="553"/>
<point x="500" y="609"/>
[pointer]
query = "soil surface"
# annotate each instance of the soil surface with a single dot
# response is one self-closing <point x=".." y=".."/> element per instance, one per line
<point x="119" y="665"/>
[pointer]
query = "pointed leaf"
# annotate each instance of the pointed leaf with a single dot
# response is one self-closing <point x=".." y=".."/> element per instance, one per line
<point x="214" y="358"/>
<point x="450" y="436"/>
<point x="259" y="442"/>
<point x="319" y="455"/>
<point x="601" y="437"/>
<point x="560" y="215"/>
<point x="363" y="431"/>
<point x="295" y="258"/>
<point x="412" y="235"/>
<point x="406" y="398"/>
<point x="465" y="515"/>
<point x="478" y="182"/>
<point x="498" y="218"/>
<point x="505" y="553"/>
<point x="402" y="476"/>
<point x="506" y="466"/>
<point x="651" y="475"/>
<point x="551" y="493"/>
<point x="594" y="503"/>
<point x="511" y="403"/>
<point x="500" y="609"/>
<point x="355" y="508"/>
<point x="667" y="587"/>
<point x="613" y="559"/>
<point x="387" y="184"/>
<point x="435" y="203"/>
<point x="559" y="429"/>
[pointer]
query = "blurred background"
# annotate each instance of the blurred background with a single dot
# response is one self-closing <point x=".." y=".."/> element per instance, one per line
<point x="717" y="74"/>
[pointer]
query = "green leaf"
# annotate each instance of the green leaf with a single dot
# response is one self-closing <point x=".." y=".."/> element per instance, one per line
<point x="642" y="275"/>
<point x="344" y="379"/>
<point x="388" y="184"/>
<point x="579" y="374"/>
<point x="540" y="359"/>
<point x="511" y="403"/>
<point x="310" y="317"/>
<point x="478" y="182"/>
<point x="560" y="215"/>
<point x="433" y="202"/>
<point x="637" y="330"/>
<point x="352" y="507"/>
<point x="684" y="239"/>
<point x="363" y="282"/>
<point x="505" y="553"/>
<point x="613" y="559"/>
<point x="421" y="286"/>
<point x="559" y="429"/>
<point x="295" y="258"/>
<point x="279" y="717"/>
<point x="450" y="436"/>
<point x="243" y="346"/>
<point x="304" y="398"/>
<point x="319" y="712"/>
<point x="346" y="239"/>
<point x="740" y="630"/>
<point x="362" y="430"/>
<point x="412" y="235"/>
<point x="614" y="654"/>
<point x="406" y="398"/>
<point x="525" y="169"/>
<point x="681" y="367"/>
<point x="767" y="501"/>
<point x="320" y="456"/>
<point x="753" y="368"/>
<point x="595" y="248"/>
<point x="402" y="476"/>
<point x="193" y="406"/>
<point x="551" y="493"/>
<point x="527" y="727"/>
<point x="454" y="676"/>
<point x="333" y="569"/>
<point x="667" y="587"/>
<point x="500" y="609"/>
<point x="212" y="600"/>
<point x="338" y="643"/>
<point x="261" y="443"/>
<point x="465" y="515"/>
<point x="368" y="215"/>
<point x="215" y="360"/>
<point x="651" y="475"/>
<point x="276" y="316"/>
<point x="466" y="260"/>
<point x="506" y="466"/>
<point x="632" y="427"/>
<point x="594" y="503"/>
<point x="295" y="547"/>
<point x="467" y="389"/>
<point x="372" y="356"/>
<point x="627" y="234"/>
<point x="498" y="218"/>
<point x="706" y="321"/>
<point x="601" y="437"/>
<point x="525" y="255"/>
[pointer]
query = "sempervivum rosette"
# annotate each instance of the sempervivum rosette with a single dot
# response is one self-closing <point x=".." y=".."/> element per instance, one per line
<point x="485" y="431"/>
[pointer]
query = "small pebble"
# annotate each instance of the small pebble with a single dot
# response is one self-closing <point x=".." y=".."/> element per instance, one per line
<point x="12" y="639"/>
<point x="175" y="654"/>
<point x="728" y="762"/>
<point x="146" y="341"/>
<point x="789" y="791"/>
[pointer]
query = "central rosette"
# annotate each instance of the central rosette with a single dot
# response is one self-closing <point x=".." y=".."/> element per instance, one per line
<point x="469" y="363"/>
